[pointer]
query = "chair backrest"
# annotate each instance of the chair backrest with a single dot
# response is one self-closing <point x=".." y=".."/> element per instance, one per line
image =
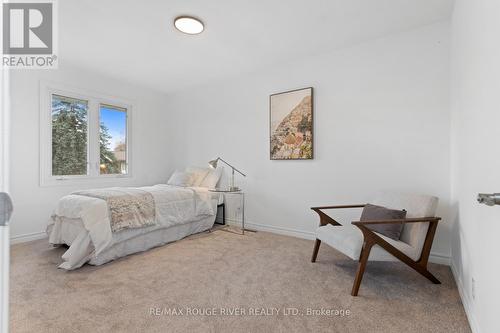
<point x="416" y="206"/>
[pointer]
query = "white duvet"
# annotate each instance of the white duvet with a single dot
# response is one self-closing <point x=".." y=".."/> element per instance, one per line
<point x="174" y="205"/>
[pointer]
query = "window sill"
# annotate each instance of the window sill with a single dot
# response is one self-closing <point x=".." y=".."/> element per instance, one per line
<point x="84" y="180"/>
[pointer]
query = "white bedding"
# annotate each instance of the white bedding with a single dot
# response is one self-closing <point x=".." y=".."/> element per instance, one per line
<point x="175" y="206"/>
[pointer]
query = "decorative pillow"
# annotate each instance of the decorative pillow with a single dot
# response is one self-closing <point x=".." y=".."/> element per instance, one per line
<point x="212" y="178"/>
<point x="198" y="175"/>
<point x="179" y="178"/>
<point x="373" y="212"/>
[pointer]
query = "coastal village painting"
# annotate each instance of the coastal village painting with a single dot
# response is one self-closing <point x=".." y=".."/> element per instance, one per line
<point x="291" y="121"/>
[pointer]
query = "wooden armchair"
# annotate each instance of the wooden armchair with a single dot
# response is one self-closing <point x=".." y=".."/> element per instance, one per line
<point x="361" y="243"/>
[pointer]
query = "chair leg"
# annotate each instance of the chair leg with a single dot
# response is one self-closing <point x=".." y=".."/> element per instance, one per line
<point x="223" y="214"/>
<point x="363" y="259"/>
<point x="428" y="275"/>
<point x="315" y="250"/>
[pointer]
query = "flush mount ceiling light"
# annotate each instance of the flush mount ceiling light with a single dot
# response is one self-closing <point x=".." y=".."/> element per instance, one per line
<point x="188" y="25"/>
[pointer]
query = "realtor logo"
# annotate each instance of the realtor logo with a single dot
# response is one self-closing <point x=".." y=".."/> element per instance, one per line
<point x="28" y="32"/>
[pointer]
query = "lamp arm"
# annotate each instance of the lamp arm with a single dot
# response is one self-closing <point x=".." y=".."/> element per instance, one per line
<point x="241" y="173"/>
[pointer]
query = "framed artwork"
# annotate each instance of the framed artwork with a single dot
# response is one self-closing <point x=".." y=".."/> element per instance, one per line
<point x="291" y="125"/>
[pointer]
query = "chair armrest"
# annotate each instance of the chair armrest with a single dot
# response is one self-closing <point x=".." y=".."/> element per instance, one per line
<point x="324" y="219"/>
<point x="397" y="221"/>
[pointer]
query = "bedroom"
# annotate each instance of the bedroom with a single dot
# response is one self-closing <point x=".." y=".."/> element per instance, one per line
<point x="163" y="180"/>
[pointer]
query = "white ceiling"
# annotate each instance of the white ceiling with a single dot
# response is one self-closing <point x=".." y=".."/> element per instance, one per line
<point x="136" y="41"/>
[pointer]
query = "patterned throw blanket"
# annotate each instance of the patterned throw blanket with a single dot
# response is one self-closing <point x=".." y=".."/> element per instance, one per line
<point x="128" y="207"/>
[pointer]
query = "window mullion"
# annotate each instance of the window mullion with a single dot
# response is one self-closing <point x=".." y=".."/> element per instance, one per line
<point x="93" y="139"/>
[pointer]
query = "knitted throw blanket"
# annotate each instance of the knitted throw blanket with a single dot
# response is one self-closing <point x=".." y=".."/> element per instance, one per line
<point x="129" y="208"/>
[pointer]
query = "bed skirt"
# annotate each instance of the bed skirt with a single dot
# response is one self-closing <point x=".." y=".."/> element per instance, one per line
<point x="132" y="244"/>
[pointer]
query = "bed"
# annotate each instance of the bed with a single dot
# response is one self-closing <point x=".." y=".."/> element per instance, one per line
<point x="84" y="220"/>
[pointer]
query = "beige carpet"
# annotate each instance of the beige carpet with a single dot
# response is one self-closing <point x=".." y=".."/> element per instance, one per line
<point x="224" y="270"/>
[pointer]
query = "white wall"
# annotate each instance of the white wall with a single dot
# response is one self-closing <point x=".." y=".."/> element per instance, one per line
<point x="475" y="100"/>
<point x="381" y="113"/>
<point x="150" y="135"/>
<point x="4" y="130"/>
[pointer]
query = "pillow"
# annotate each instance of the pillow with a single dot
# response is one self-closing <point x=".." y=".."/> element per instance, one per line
<point x="179" y="178"/>
<point x="198" y="175"/>
<point x="373" y="212"/>
<point x="212" y="178"/>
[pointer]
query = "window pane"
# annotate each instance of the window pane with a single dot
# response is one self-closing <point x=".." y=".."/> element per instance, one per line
<point x="113" y="139"/>
<point x="69" y="136"/>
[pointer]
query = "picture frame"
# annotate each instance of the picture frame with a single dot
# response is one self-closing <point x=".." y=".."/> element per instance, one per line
<point x="291" y="125"/>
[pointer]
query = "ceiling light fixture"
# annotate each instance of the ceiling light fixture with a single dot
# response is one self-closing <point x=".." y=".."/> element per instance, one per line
<point x="188" y="25"/>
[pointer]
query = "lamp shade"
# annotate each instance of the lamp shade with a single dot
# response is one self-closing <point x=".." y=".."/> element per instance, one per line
<point x="213" y="163"/>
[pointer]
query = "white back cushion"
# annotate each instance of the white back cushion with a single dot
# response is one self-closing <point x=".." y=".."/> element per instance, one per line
<point x="416" y="206"/>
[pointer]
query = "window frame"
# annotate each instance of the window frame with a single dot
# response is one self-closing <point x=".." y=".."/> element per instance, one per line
<point x="95" y="100"/>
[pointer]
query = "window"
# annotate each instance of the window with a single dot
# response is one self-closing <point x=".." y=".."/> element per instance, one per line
<point x="69" y="136"/>
<point x="113" y="139"/>
<point x="83" y="136"/>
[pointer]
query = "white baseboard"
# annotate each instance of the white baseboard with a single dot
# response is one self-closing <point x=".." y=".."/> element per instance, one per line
<point x="437" y="258"/>
<point x="466" y="301"/>
<point x="282" y="230"/>
<point x="28" y="237"/>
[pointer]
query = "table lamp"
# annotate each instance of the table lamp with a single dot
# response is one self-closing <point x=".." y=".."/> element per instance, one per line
<point x="213" y="164"/>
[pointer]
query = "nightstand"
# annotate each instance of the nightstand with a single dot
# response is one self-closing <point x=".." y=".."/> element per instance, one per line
<point x="242" y="195"/>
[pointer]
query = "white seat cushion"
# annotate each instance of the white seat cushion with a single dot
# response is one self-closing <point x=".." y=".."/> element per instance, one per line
<point x="348" y="239"/>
